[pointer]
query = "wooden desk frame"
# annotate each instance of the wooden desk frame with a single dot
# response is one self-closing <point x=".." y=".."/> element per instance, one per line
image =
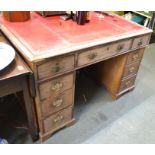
<point x="119" y="53"/>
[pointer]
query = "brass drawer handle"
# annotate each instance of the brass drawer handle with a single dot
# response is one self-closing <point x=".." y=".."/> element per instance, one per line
<point x="57" y="86"/>
<point x="140" y="43"/>
<point x="92" y="56"/>
<point x="128" y="83"/>
<point x="58" y="119"/>
<point x="57" y="103"/>
<point x="131" y="69"/>
<point x="135" y="57"/>
<point x="120" y="47"/>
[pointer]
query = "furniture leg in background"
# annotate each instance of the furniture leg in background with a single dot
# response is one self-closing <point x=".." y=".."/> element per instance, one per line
<point x="16" y="79"/>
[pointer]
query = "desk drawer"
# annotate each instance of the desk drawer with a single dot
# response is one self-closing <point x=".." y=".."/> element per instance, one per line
<point x="57" y="120"/>
<point x="135" y="56"/>
<point x="122" y="46"/>
<point x="55" y="66"/>
<point x="98" y="53"/>
<point x="56" y="86"/>
<point x="127" y="83"/>
<point x="52" y="105"/>
<point x="131" y="69"/>
<point x="141" y="41"/>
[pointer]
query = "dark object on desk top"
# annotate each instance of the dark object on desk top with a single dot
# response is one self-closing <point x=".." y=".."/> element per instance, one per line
<point x="82" y="17"/>
<point x="51" y="13"/>
<point x="16" y="16"/>
<point x="66" y="17"/>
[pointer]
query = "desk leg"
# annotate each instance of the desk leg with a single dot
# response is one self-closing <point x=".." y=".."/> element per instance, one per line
<point x="30" y="112"/>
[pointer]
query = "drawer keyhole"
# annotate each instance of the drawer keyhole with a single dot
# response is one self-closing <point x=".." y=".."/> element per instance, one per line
<point x="92" y="56"/>
<point x="57" y="68"/>
<point x="108" y="48"/>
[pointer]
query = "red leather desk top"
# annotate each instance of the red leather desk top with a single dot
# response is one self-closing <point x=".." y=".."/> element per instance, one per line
<point x="42" y="35"/>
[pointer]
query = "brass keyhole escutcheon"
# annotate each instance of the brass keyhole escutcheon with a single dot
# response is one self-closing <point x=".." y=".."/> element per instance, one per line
<point x="57" y="68"/>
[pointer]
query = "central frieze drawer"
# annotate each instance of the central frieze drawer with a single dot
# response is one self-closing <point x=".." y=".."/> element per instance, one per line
<point x="98" y="53"/>
<point x="56" y="86"/>
<point x="52" y="105"/>
<point x="55" y="66"/>
<point x="57" y="120"/>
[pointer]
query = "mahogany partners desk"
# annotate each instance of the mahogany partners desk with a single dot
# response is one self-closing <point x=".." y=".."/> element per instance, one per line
<point x="55" y="49"/>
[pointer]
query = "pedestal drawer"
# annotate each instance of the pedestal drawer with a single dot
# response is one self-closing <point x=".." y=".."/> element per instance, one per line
<point x="52" y="105"/>
<point x="131" y="69"/>
<point x="55" y="86"/>
<point x="55" y="66"/>
<point x="135" y="56"/>
<point x="127" y="83"/>
<point x="58" y="119"/>
<point x="98" y="53"/>
<point x="140" y="41"/>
